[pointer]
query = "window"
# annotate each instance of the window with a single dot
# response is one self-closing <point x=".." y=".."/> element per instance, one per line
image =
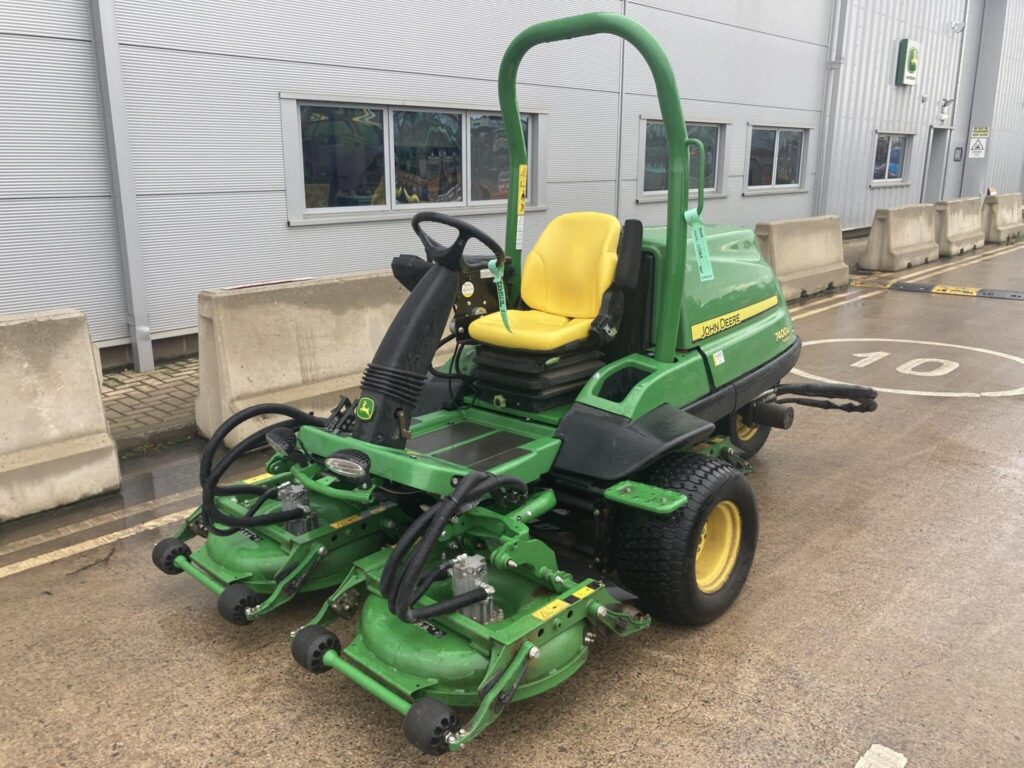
<point x="488" y="156"/>
<point x="343" y="156"/>
<point x="890" y="156"/>
<point x="369" y="158"/>
<point x="655" y="156"/>
<point x="776" y="157"/>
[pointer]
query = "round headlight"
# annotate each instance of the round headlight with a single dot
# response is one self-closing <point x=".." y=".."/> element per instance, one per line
<point x="349" y="465"/>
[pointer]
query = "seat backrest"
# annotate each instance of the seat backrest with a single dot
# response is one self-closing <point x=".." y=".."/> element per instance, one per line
<point x="572" y="264"/>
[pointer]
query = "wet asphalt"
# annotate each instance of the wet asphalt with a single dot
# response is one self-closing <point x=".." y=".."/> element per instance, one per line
<point x="885" y="605"/>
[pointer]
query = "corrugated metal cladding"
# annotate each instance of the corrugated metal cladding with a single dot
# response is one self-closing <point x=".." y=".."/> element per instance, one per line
<point x="1007" y="146"/>
<point x="203" y="83"/>
<point x="57" y="241"/>
<point x="870" y="102"/>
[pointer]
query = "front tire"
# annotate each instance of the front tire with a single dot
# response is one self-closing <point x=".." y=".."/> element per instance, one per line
<point x="689" y="567"/>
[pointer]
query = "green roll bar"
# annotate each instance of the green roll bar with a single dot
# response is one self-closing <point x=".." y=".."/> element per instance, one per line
<point x="670" y="294"/>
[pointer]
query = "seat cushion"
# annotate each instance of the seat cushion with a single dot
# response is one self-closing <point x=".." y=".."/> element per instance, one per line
<point x="572" y="264"/>
<point x="531" y="330"/>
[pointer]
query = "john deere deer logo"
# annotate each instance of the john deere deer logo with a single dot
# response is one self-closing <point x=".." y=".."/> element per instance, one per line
<point x="364" y="408"/>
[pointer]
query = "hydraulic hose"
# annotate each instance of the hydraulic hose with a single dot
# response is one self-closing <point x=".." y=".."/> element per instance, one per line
<point x="409" y="586"/>
<point x="210" y="475"/>
<point x="389" y="580"/>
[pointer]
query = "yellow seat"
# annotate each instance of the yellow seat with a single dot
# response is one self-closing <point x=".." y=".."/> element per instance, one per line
<point x="565" y="277"/>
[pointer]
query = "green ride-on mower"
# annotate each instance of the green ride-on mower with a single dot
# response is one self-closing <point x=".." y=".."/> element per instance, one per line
<point x="575" y="468"/>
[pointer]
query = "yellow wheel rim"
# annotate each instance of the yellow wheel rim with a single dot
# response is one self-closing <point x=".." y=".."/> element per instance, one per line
<point x="745" y="432"/>
<point x="719" y="547"/>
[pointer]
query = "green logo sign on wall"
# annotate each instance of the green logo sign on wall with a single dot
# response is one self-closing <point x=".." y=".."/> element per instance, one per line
<point x="909" y="62"/>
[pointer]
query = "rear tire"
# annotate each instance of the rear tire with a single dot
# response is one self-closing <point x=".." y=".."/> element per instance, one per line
<point x="689" y="567"/>
<point x="748" y="438"/>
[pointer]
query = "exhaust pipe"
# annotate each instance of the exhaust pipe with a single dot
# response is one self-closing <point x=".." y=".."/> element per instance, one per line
<point x="771" y="415"/>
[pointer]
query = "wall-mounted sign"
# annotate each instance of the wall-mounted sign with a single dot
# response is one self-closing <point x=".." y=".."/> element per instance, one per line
<point x="909" y="62"/>
<point x="976" y="148"/>
<point x="979" y="132"/>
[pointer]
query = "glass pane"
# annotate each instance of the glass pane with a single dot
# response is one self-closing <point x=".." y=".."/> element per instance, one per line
<point x="708" y="136"/>
<point x="342" y="156"/>
<point x="881" y="156"/>
<point x="897" y="153"/>
<point x="791" y="147"/>
<point x="762" y="156"/>
<point x="428" y="157"/>
<point x="655" y="157"/>
<point x="488" y="156"/>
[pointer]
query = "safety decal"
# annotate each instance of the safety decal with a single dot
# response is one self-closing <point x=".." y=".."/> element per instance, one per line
<point x="706" y="328"/>
<point x="346" y="521"/>
<point x="257" y="478"/>
<point x="560" y="604"/>
<point x="521" y="207"/>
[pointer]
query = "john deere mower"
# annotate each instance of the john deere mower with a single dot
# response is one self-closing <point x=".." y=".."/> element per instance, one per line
<point x="576" y="467"/>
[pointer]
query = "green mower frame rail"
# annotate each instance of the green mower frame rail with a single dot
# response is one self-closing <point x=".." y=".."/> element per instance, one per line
<point x="576" y="467"/>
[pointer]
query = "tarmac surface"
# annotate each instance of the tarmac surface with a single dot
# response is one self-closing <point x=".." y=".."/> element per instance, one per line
<point x="884" y="606"/>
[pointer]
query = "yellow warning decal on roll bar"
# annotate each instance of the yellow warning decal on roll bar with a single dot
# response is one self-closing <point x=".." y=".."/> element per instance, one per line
<point x="706" y="328"/>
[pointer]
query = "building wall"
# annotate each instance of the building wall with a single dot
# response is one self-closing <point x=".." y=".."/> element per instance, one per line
<point x="870" y="102"/>
<point x="1006" y="161"/>
<point x="739" y="63"/>
<point x="58" y="246"/>
<point x="203" y="85"/>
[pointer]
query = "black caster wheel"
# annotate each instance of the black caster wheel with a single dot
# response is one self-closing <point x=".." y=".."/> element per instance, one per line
<point x="166" y="550"/>
<point x="428" y="724"/>
<point x="234" y="600"/>
<point x="309" y="646"/>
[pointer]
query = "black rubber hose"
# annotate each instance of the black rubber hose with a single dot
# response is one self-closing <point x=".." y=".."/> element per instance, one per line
<point x="409" y="584"/>
<point x="449" y="605"/>
<point x="264" y="409"/>
<point x="209" y="475"/>
<point x="394" y="572"/>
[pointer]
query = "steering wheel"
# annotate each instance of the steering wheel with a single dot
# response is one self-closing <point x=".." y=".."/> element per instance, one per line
<point x="450" y="256"/>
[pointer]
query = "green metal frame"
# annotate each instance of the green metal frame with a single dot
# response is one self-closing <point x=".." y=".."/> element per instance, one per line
<point x="670" y="291"/>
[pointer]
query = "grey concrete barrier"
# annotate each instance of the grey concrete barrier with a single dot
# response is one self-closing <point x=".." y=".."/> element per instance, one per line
<point x="303" y="343"/>
<point x="1002" y="217"/>
<point x="806" y="254"/>
<point x="55" y="447"/>
<point x="900" y="238"/>
<point x="958" y="225"/>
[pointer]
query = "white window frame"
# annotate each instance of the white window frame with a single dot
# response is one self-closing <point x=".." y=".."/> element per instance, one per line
<point x="901" y="181"/>
<point x="660" y="196"/>
<point x="773" y="188"/>
<point x="295" y="190"/>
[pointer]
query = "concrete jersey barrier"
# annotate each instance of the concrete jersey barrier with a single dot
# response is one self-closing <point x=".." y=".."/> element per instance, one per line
<point x="1002" y="218"/>
<point x="900" y="238"/>
<point x="806" y="254"/>
<point x="303" y="343"/>
<point x="958" y="225"/>
<point x="55" y="447"/>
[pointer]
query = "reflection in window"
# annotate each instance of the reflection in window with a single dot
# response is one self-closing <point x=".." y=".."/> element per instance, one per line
<point x="890" y="156"/>
<point x="428" y="157"/>
<point x="488" y="156"/>
<point x="656" y="155"/>
<point x="776" y="157"/>
<point x="342" y="156"/>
